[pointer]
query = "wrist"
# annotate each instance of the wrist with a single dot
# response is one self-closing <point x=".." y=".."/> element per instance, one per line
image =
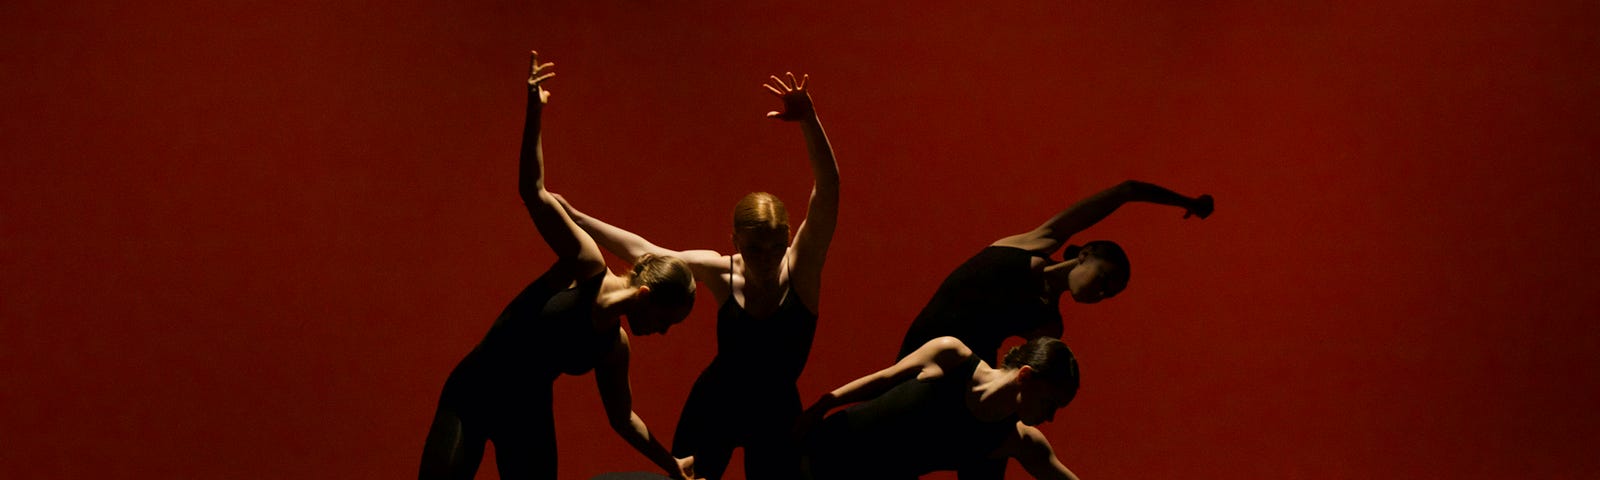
<point x="825" y="403"/>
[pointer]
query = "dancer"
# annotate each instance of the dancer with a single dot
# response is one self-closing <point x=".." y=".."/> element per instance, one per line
<point x="942" y="408"/>
<point x="769" y="289"/>
<point x="1013" y="288"/>
<point x="568" y="321"/>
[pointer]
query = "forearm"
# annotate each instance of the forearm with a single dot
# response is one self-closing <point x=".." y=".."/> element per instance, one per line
<point x="1051" y="469"/>
<point x="619" y="242"/>
<point x="1033" y="451"/>
<point x="1137" y="191"/>
<point x="530" y="167"/>
<point x="634" y="431"/>
<point x="824" y="169"/>
<point x="1102" y="204"/>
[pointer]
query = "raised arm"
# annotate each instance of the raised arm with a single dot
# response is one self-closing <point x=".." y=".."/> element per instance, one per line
<point x="573" y="248"/>
<point x="810" y="247"/>
<point x="1080" y="216"/>
<point x="611" y="376"/>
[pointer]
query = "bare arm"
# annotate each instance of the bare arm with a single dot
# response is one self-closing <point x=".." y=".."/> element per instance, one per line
<point x="611" y="376"/>
<point x="926" y="362"/>
<point x="573" y="248"/>
<point x="708" y="266"/>
<point x="1032" y="451"/>
<point x="619" y="242"/>
<point x="1080" y="216"/>
<point x="811" y="240"/>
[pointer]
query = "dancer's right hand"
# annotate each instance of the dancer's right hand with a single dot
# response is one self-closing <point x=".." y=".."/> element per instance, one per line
<point x="1202" y="207"/>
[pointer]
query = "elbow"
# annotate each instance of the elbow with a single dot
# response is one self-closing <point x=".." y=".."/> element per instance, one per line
<point x="531" y="192"/>
<point x="622" y="422"/>
<point x="621" y="427"/>
<point x="1130" y="189"/>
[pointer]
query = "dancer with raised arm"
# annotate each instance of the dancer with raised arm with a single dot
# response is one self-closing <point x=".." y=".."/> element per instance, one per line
<point x="1013" y="288"/>
<point x="569" y="320"/>
<point x="942" y="408"/>
<point x="769" y="290"/>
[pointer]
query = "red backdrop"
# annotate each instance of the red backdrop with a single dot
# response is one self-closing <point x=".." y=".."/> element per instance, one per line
<point x="251" y="241"/>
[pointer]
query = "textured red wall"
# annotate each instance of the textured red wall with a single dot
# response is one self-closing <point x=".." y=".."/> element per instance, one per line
<point x="251" y="241"/>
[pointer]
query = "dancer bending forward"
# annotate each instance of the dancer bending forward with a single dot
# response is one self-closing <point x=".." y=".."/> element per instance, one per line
<point x="567" y="321"/>
<point x="942" y="408"/>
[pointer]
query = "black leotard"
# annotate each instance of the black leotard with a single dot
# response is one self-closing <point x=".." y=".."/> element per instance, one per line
<point x="994" y="295"/>
<point x="915" y="428"/>
<point x="747" y="396"/>
<point x="501" y="391"/>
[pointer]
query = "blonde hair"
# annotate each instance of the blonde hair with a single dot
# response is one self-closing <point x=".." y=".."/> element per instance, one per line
<point x="669" y="278"/>
<point x="760" y="211"/>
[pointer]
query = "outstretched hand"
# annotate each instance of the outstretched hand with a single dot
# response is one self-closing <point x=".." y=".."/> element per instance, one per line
<point x="1200" y="207"/>
<point x="537" y="74"/>
<point x="796" y="100"/>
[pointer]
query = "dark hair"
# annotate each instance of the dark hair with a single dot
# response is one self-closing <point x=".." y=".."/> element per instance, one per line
<point x="1050" y="360"/>
<point x="669" y="278"/>
<point x="1109" y="252"/>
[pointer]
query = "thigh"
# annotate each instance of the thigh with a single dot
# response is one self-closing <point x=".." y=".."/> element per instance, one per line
<point x="704" y="430"/>
<point x="772" y="451"/>
<point x="525" y="438"/>
<point x="771" y="458"/>
<point x="452" y="450"/>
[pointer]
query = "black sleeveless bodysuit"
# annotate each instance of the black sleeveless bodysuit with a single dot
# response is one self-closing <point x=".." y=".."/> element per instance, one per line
<point x="747" y="396"/>
<point x="993" y="296"/>
<point x="915" y="428"/>
<point x="541" y="334"/>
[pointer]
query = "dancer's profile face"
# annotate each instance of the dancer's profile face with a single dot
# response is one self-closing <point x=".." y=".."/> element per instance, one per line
<point x="1093" y="280"/>
<point x="651" y="319"/>
<point x="1039" y="401"/>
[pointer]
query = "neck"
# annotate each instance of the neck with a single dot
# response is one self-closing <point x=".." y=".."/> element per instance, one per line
<point x="1055" y="277"/>
<point x="616" y="292"/>
<point x="994" y="392"/>
<point x="759" y="277"/>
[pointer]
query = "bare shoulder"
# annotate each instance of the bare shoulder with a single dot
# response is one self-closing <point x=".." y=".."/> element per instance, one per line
<point x="938" y="355"/>
<point x="948" y="349"/>
<point x="1036" y="241"/>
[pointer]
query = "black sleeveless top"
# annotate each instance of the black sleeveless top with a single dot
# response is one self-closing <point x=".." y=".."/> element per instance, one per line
<point x="915" y="428"/>
<point x="549" y="330"/>
<point x="994" y="295"/>
<point x="774" y="349"/>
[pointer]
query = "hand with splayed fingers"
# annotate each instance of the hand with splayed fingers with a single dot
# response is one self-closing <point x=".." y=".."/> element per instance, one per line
<point x="537" y="74"/>
<point x="796" y="99"/>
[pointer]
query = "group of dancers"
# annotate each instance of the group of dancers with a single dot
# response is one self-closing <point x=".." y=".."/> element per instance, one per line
<point x="949" y="403"/>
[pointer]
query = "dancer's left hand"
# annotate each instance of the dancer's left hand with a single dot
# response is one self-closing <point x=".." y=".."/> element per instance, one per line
<point x="537" y="74"/>
<point x="1201" y="207"/>
<point x="686" y="468"/>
